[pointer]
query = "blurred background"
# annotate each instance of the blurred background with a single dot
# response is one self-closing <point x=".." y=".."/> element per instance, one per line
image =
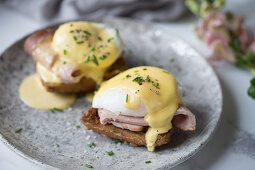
<point x="60" y="10"/>
<point x="232" y="146"/>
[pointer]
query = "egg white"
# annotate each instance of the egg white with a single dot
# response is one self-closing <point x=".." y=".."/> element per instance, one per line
<point x="114" y="101"/>
<point x="115" y="34"/>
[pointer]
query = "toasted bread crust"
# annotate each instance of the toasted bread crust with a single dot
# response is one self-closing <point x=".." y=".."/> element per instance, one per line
<point x="86" y="84"/>
<point x="91" y="121"/>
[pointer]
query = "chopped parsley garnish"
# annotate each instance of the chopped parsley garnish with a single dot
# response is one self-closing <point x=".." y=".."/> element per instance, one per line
<point x="137" y="79"/>
<point x="64" y="62"/>
<point x="80" y="42"/>
<point x="144" y="68"/>
<point x="57" y="145"/>
<point x="94" y="59"/>
<point x="78" y="126"/>
<point x="65" y="51"/>
<point x="148" y="78"/>
<point x="156" y="85"/>
<point x="99" y="38"/>
<point x="109" y="153"/>
<point x="109" y="40"/>
<point x="102" y="57"/>
<point x="53" y="110"/>
<point x="126" y="98"/>
<point x="87" y="59"/>
<point x="116" y="142"/>
<point x="75" y="38"/>
<point x="88" y="166"/>
<point x="92" y="144"/>
<point x="127" y="76"/>
<point x="86" y="32"/>
<point x="71" y="31"/>
<point x="18" y="130"/>
<point x="136" y="71"/>
<point x="92" y="49"/>
<point x="147" y="162"/>
<point x="165" y="72"/>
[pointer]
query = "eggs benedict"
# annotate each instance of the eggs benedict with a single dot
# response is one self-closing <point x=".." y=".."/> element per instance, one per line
<point x="74" y="58"/>
<point x="140" y="106"/>
<point x="77" y="56"/>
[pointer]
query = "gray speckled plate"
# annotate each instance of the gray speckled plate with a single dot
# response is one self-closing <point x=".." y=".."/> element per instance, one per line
<point x="42" y="130"/>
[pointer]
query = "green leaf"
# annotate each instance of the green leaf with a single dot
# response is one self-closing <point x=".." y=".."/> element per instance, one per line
<point x="86" y="32"/>
<point x="218" y="4"/>
<point x="94" y="59"/>
<point x="65" y="51"/>
<point x="88" y="166"/>
<point x="251" y="90"/>
<point x="53" y="110"/>
<point x="18" y="130"/>
<point x="87" y="59"/>
<point x="116" y="142"/>
<point x="193" y="6"/>
<point x="92" y="144"/>
<point x="253" y="81"/>
<point x="80" y="42"/>
<point x="148" y="78"/>
<point x="137" y="79"/>
<point x="99" y="38"/>
<point x="109" y="153"/>
<point x="110" y="39"/>
<point x="102" y="57"/>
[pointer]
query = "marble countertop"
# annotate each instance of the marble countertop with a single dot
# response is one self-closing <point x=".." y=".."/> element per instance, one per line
<point x="233" y="144"/>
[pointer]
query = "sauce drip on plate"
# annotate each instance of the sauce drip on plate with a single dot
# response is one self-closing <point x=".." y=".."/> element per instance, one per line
<point x="34" y="95"/>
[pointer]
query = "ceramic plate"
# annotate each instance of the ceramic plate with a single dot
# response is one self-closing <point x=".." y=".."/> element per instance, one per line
<point x="43" y="131"/>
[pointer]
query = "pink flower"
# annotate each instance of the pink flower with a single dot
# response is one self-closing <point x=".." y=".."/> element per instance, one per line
<point x="214" y="20"/>
<point x="213" y="29"/>
<point x="251" y="45"/>
<point x="243" y="38"/>
<point x="220" y="50"/>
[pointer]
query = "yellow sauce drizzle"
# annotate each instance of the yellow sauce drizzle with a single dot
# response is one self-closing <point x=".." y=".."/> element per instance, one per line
<point x="156" y="88"/>
<point x="88" y="45"/>
<point x="34" y="95"/>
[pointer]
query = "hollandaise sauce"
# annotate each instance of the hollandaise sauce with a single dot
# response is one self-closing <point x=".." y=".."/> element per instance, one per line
<point x="90" y="47"/>
<point x="157" y="88"/>
<point x="34" y="95"/>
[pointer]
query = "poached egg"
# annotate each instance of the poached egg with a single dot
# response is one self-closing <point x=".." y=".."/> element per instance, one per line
<point x="148" y="92"/>
<point x="86" y="46"/>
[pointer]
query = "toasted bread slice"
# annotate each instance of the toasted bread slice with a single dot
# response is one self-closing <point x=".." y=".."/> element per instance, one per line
<point x="86" y="84"/>
<point x="91" y="121"/>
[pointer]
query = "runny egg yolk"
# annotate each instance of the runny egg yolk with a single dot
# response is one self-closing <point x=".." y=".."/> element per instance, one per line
<point x="157" y="88"/>
<point x="92" y="47"/>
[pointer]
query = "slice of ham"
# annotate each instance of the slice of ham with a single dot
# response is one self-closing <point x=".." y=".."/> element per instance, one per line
<point x="135" y="128"/>
<point x="183" y="119"/>
<point x="70" y="73"/>
<point x="39" y="46"/>
<point x="107" y="116"/>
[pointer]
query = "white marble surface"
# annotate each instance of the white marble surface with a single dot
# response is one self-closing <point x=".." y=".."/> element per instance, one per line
<point x="232" y="146"/>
